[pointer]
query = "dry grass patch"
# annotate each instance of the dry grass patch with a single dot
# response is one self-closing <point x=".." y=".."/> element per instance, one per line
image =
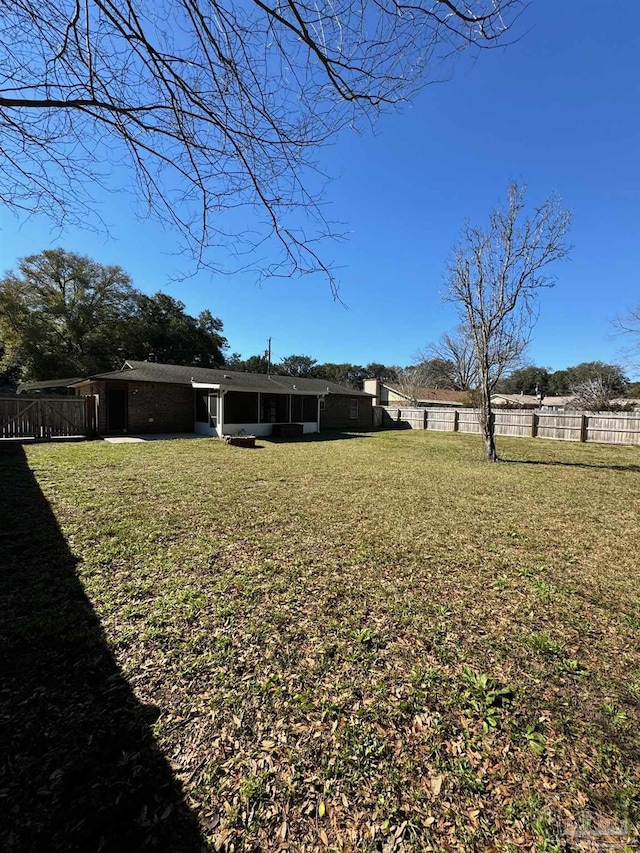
<point x="378" y="643"/>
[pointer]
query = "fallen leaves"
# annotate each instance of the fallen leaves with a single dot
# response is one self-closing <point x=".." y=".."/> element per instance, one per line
<point x="436" y="785"/>
<point x="310" y="678"/>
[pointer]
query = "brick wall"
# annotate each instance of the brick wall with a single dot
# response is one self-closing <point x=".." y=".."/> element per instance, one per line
<point x="170" y="406"/>
<point x="337" y="408"/>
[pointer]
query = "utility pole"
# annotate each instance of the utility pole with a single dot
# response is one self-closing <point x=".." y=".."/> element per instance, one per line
<point x="269" y="357"/>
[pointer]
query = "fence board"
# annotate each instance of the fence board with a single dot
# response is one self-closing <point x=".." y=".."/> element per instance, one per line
<point x="468" y="421"/>
<point x="560" y="425"/>
<point x="513" y="423"/>
<point x="614" y="428"/>
<point x="601" y="427"/>
<point x="441" y="419"/>
<point x="45" y="418"/>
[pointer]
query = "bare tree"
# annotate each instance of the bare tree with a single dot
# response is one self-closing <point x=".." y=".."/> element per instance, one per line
<point x="593" y="394"/>
<point x="457" y="348"/>
<point x="410" y="381"/>
<point x="216" y="105"/>
<point x="493" y="278"/>
<point x="629" y="326"/>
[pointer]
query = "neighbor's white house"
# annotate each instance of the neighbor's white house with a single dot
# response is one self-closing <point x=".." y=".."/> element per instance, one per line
<point x="389" y="394"/>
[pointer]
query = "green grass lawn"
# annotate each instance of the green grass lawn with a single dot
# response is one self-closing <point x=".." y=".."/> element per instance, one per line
<point x="374" y="643"/>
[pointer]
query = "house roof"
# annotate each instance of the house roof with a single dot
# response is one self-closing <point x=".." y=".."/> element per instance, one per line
<point x="48" y="383"/>
<point x="556" y="401"/>
<point x="435" y="395"/>
<point x="518" y="399"/>
<point x="148" y="371"/>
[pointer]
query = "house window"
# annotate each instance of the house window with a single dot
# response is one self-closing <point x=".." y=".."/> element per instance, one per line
<point x="353" y="410"/>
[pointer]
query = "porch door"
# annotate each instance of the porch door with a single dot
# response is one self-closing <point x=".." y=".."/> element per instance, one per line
<point x="212" y="409"/>
<point x="116" y="410"/>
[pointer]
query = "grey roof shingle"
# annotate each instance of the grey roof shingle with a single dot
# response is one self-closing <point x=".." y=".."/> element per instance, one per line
<point x="148" y="371"/>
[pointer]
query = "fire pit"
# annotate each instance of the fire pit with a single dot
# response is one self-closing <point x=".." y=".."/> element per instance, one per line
<point x="240" y="440"/>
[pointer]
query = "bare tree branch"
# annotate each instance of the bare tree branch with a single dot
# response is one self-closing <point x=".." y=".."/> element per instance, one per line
<point x="216" y="105"/>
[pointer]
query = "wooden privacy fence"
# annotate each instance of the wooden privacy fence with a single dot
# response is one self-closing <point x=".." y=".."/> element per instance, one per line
<point x="47" y="417"/>
<point x="602" y="427"/>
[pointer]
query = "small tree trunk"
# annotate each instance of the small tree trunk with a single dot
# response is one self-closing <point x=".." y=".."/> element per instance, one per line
<point x="490" y="446"/>
<point x="486" y="422"/>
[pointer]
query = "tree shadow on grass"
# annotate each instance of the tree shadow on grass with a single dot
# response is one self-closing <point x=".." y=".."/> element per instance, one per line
<point x="82" y="771"/>
<point x="559" y="464"/>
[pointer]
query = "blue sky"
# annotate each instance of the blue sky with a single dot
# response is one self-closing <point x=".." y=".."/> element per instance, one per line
<point x="558" y="110"/>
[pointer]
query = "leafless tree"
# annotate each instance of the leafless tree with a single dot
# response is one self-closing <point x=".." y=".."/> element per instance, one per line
<point x="410" y="381"/>
<point x="597" y="394"/>
<point x="629" y="326"/>
<point x="456" y="348"/>
<point x="216" y="105"/>
<point x="494" y="277"/>
<point x="591" y="395"/>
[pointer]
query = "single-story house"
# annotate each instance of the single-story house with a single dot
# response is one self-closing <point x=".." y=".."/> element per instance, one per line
<point x="146" y="397"/>
<point x="388" y="394"/>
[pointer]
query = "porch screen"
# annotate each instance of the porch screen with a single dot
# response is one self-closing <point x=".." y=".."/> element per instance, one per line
<point x="240" y="407"/>
<point x="202" y="415"/>
<point x="206" y="407"/>
<point x="304" y="409"/>
<point x="274" y="408"/>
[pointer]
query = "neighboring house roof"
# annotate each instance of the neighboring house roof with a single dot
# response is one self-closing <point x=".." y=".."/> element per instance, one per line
<point x="148" y="371"/>
<point x="48" y="383"/>
<point x="627" y="401"/>
<point x="556" y="401"/>
<point x="431" y="395"/>
<point x="516" y="399"/>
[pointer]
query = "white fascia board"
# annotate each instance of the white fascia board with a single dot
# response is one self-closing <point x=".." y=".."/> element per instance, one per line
<point x="243" y="388"/>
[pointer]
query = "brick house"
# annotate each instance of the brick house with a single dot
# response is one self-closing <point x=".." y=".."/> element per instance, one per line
<point x="144" y="397"/>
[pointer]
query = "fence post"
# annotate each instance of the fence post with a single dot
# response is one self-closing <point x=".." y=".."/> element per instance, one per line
<point x="456" y="420"/>
<point x="583" y="427"/>
<point x="425" y="420"/>
<point x="534" y="425"/>
<point x="90" y="408"/>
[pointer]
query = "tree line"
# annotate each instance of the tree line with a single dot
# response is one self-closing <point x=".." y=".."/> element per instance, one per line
<point x="65" y="315"/>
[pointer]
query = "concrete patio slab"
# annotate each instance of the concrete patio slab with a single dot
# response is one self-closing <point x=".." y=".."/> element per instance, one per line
<point x="136" y="439"/>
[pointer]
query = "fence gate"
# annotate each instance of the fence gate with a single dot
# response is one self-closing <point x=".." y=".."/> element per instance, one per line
<point x="47" y="417"/>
